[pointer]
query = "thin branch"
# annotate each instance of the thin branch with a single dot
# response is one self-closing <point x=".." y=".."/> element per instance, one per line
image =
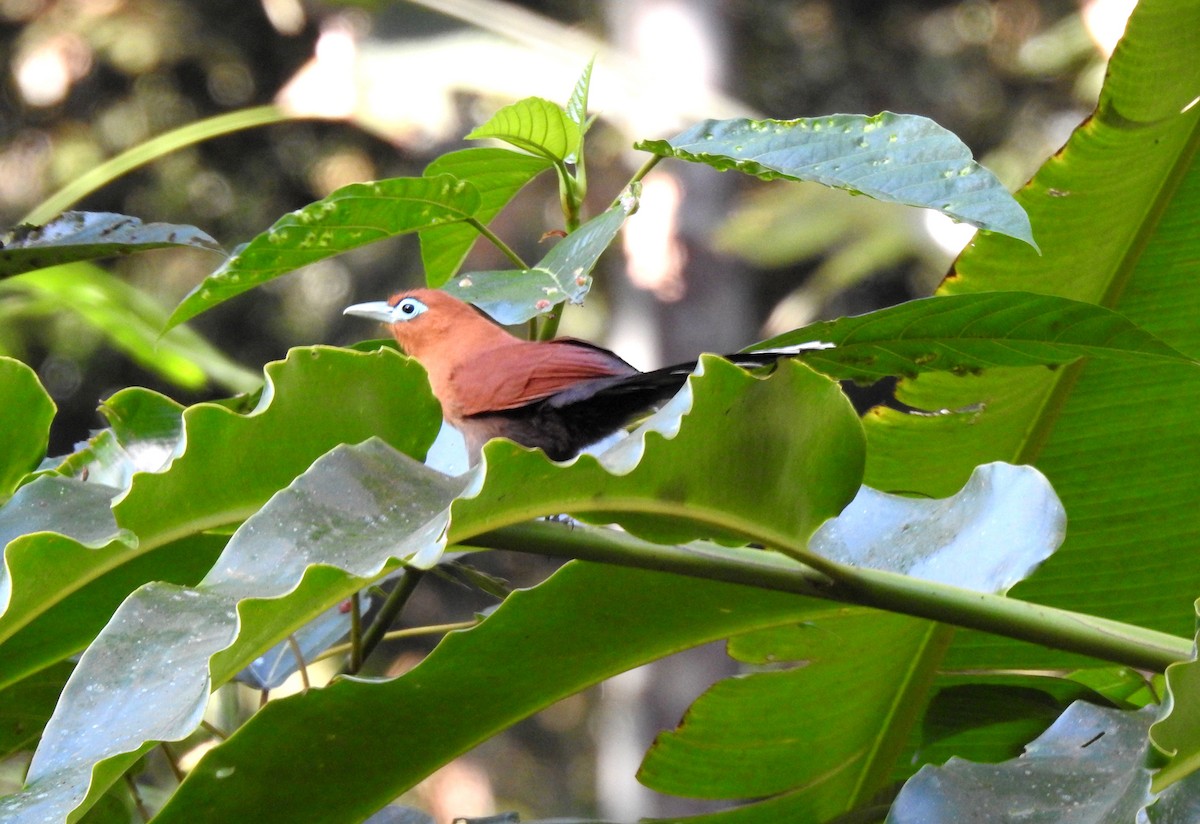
<point x="356" y="628"/>
<point x="398" y="634"/>
<point x="301" y="664"/>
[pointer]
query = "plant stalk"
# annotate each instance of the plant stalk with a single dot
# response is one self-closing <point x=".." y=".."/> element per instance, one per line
<point x="1061" y="629"/>
<point x="151" y="150"/>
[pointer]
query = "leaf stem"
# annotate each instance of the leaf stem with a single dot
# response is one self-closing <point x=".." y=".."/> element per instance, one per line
<point x="646" y="167"/>
<point x="495" y="240"/>
<point x="1070" y="631"/>
<point x="356" y="653"/>
<point x="151" y="150"/>
<point x="391" y="608"/>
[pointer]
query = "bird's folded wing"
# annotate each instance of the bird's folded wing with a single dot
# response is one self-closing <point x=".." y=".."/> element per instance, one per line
<point x="522" y="373"/>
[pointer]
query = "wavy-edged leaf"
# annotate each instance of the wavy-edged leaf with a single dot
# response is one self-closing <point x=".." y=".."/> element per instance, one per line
<point x="1176" y="735"/>
<point x="1115" y="214"/>
<point x="74" y="236"/>
<point x="970" y="332"/>
<point x="231" y="465"/>
<point x="132" y="322"/>
<point x="616" y="619"/>
<point x="350" y="217"/>
<point x="564" y="274"/>
<point x="1088" y="761"/>
<point x="497" y="174"/>
<point x="25" y="418"/>
<point x="899" y="158"/>
<point x="144" y="434"/>
<point x="338" y="525"/>
<point x="535" y="125"/>
<point x="952" y="540"/>
<point x="989" y="717"/>
<point x="351" y="509"/>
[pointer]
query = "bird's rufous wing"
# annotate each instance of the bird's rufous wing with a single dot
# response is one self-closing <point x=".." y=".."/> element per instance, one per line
<point x="522" y="373"/>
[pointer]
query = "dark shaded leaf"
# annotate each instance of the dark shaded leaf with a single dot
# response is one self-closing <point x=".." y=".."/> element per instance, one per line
<point x="968" y="333"/>
<point x="1087" y="762"/>
<point x="74" y="236"/>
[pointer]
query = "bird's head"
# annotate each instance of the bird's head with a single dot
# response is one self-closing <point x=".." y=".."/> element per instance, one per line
<point x="421" y="320"/>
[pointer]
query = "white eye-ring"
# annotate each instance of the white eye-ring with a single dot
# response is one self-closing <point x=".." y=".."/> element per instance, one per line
<point x="407" y="309"/>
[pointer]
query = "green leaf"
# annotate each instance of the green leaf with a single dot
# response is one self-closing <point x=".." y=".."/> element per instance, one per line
<point x="25" y="418"/>
<point x="350" y="217"/>
<point x="497" y="174"/>
<point x="231" y="465"/>
<point x="351" y="508"/>
<point x="392" y="734"/>
<point x="578" y="104"/>
<point x="952" y="540"/>
<point x="132" y="322"/>
<point x="535" y="125"/>
<point x="1089" y="762"/>
<point x="967" y="333"/>
<point x="1115" y="214"/>
<point x="144" y="430"/>
<point x="1176" y="735"/>
<point x="26" y="706"/>
<point x="989" y="717"/>
<point x="846" y="667"/>
<point x="74" y="236"/>
<point x="562" y="275"/>
<point x="337" y="525"/>
<point x="782" y="482"/>
<point x="899" y="158"/>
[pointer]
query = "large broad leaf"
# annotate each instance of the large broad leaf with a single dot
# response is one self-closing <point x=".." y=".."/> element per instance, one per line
<point x="497" y="174"/>
<point x="1115" y="214"/>
<point x="25" y="418"/>
<point x="1086" y="768"/>
<point x="836" y="640"/>
<point x="132" y="322"/>
<point x="338" y="525"/>
<point x="350" y="217"/>
<point x="538" y="126"/>
<point x="746" y="738"/>
<point x="230" y="466"/>
<point x="562" y="275"/>
<point x="74" y="236"/>
<point x="900" y="158"/>
<point x="517" y="662"/>
<point x="967" y="333"/>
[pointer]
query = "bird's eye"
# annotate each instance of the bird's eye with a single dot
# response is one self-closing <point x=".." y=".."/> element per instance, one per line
<point x="408" y="308"/>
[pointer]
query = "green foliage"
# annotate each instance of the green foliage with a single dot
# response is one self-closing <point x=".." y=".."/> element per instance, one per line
<point x="891" y="157"/>
<point x="179" y="543"/>
<point x="87" y="235"/>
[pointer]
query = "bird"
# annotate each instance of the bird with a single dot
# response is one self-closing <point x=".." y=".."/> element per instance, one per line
<point x="559" y="395"/>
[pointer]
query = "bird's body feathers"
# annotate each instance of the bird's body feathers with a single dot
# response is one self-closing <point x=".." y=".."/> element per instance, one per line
<point x="559" y="396"/>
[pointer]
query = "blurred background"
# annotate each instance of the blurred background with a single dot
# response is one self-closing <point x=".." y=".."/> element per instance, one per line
<point x="712" y="262"/>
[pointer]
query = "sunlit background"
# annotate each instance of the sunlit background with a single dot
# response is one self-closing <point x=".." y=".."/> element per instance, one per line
<point x="710" y="262"/>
